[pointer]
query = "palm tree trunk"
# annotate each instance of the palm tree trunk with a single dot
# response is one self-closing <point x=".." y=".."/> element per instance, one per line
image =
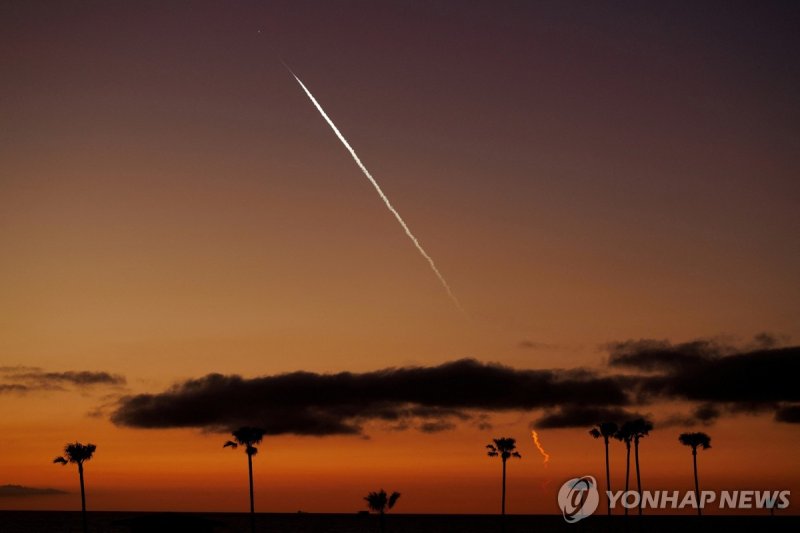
<point x="83" y="499"/>
<point x="638" y="475"/>
<point x="696" y="484"/>
<point x="503" y="504"/>
<point x="381" y="523"/>
<point x="608" y="480"/>
<point x="627" y="469"/>
<point x="252" y="501"/>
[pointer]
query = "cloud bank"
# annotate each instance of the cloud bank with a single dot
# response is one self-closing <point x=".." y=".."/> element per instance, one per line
<point x="717" y="379"/>
<point x="21" y="379"/>
<point x="20" y="491"/>
<point x="721" y="379"/>
<point x="306" y="403"/>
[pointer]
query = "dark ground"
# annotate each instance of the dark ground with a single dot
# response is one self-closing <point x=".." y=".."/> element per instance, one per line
<point x="123" y="522"/>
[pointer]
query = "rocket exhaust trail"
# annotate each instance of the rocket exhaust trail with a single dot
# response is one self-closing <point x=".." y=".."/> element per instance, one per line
<point x="539" y="446"/>
<point x="383" y="196"/>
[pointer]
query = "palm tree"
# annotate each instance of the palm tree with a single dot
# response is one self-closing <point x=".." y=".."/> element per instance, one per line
<point x="625" y="434"/>
<point x="694" y="440"/>
<point x="78" y="453"/>
<point x="379" y="502"/>
<point x="640" y="428"/>
<point x="248" y="437"/>
<point x="505" y="447"/>
<point x="605" y="430"/>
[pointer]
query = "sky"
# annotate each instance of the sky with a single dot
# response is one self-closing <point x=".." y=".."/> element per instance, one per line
<point x="583" y="174"/>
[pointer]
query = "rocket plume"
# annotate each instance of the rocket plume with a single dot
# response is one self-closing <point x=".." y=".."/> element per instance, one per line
<point x="380" y="193"/>
<point x="540" y="448"/>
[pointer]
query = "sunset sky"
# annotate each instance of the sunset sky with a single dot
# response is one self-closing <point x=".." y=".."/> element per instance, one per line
<point x="583" y="174"/>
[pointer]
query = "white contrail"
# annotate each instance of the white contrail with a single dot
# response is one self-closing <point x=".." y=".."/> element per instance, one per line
<point x="380" y="192"/>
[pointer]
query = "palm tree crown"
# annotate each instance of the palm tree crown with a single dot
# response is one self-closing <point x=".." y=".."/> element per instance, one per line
<point x="380" y="502"/>
<point x="248" y="437"/>
<point x="640" y="428"/>
<point x="625" y="433"/>
<point x="695" y="440"/>
<point x="504" y="447"/>
<point x="76" y="453"/>
<point x="604" y="429"/>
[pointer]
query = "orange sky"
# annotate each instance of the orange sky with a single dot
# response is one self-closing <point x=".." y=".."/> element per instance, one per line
<point x="445" y="472"/>
<point x="172" y="205"/>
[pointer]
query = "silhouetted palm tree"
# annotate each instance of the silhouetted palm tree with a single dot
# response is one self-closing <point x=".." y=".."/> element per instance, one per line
<point x="694" y="440"/>
<point x="640" y="428"/>
<point x="248" y="437"/>
<point x="605" y="430"/>
<point x="380" y="502"/>
<point x="625" y="434"/>
<point x="78" y="454"/>
<point x="504" y="447"/>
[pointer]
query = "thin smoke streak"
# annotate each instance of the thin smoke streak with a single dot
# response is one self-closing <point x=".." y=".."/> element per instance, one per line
<point x="380" y="193"/>
<point x="539" y="446"/>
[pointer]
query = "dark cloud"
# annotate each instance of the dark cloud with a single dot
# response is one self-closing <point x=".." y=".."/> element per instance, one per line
<point x="722" y="378"/>
<point x="789" y="414"/>
<point x="706" y="413"/>
<point x="436" y="426"/>
<point x="12" y="387"/>
<point x="651" y="355"/>
<point x="322" y="404"/>
<point x="677" y="420"/>
<point x="79" y="379"/>
<point x="767" y="340"/>
<point x="752" y="378"/>
<point x="716" y="379"/>
<point x="482" y="422"/>
<point x="582" y="416"/>
<point x="19" y="491"/>
<point x="18" y="368"/>
<point x="24" y="379"/>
